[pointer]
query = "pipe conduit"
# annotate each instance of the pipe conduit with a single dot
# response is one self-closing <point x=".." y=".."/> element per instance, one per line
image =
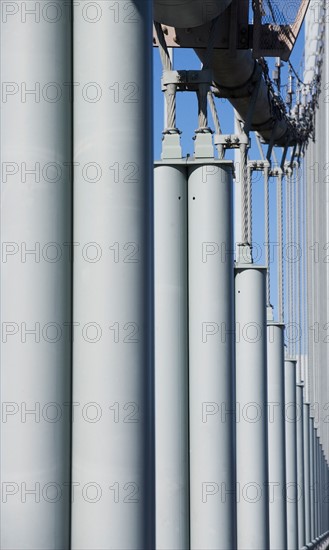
<point x="233" y="72"/>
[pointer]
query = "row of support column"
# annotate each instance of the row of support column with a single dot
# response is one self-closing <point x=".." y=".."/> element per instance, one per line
<point x="233" y="436"/>
<point x="242" y="466"/>
<point x="217" y="456"/>
<point x="194" y="350"/>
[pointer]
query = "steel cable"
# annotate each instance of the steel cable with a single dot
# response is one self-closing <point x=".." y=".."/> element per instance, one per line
<point x="267" y="234"/>
<point x="170" y="92"/>
<point x="280" y="246"/>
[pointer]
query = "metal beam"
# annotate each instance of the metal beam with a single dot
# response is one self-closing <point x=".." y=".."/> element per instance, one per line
<point x="189" y="13"/>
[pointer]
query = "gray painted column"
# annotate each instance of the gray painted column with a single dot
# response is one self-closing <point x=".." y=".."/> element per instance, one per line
<point x="307" y="492"/>
<point x="326" y="496"/>
<point x="211" y="356"/>
<point x="323" y="493"/>
<point x="316" y="484"/>
<point x="300" y="460"/>
<point x="312" y="478"/>
<point x="171" y="357"/>
<point x="291" y="453"/>
<point x="319" y="483"/>
<point x="113" y="463"/>
<point x="251" y="399"/>
<point x="276" y="436"/>
<point x="36" y="272"/>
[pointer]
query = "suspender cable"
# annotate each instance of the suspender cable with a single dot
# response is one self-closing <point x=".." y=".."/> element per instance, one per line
<point x="202" y="94"/>
<point x="280" y="246"/>
<point x="289" y="241"/>
<point x="286" y="264"/>
<point x="316" y="298"/>
<point x="298" y="263"/>
<point x="249" y="205"/>
<point x="164" y="53"/>
<point x="304" y="286"/>
<point x="267" y="221"/>
<point x="214" y="113"/>
<point x="203" y="90"/>
<point x="245" y="176"/>
<point x="293" y="208"/>
<point x="309" y="280"/>
<point x="170" y="92"/>
<point x="267" y="233"/>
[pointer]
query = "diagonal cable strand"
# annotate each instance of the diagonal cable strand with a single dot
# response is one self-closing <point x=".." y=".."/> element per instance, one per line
<point x="267" y="235"/>
<point x="280" y="247"/>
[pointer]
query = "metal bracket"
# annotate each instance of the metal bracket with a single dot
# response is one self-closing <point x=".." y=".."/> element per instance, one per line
<point x="191" y="81"/>
<point x="276" y="171"/>
<point x="171" y="147"/>
<point x="203" y="146"/>
<point x="244" y="254"/>
<point x="269" y="314"/>
<point x="186" y="81"/>
<point x="231" y="141"/>
<point x="258" y="165"/>
<point x="287" y="169"/>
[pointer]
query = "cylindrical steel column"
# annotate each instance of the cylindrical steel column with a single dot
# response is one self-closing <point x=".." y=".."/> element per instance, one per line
<point x="113" y="447"/>
<point x="322" y="493"/>
<point x="171" y="357"/>
<point x="251" y="402"/>
<point x="307" y="492"/>
<point x="312" y="477"/>
<point x="300" y="461"/>
<point x="326" y="523"/>
<point x="291" y="454"/>
<point x="326" y="493"/>
<point x="318" y="483"/>
<point x="36" y="275"/>
<point x="211" y="356"/>
<point x="276" y="436"/>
